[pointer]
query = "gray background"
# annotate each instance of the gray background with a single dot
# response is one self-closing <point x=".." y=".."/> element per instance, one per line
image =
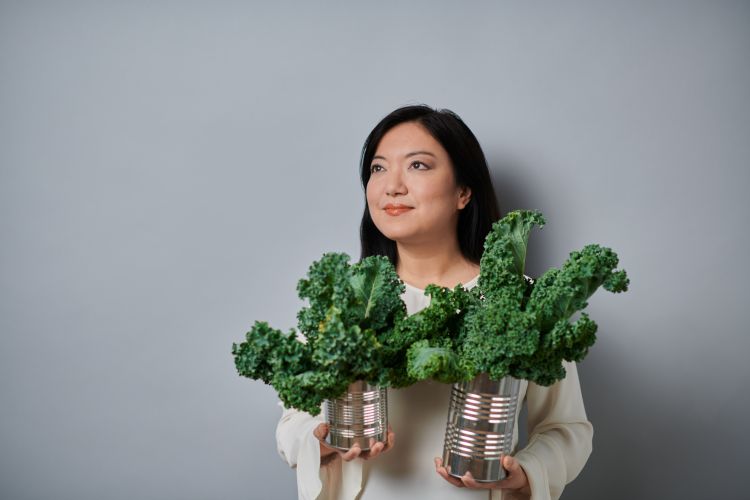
<point x="170" y="169"/>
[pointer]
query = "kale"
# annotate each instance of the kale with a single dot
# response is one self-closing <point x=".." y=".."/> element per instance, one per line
<point x="427" y="333"/>
<point x="351" y="314"/>
<point x="504" y="258"/>
<point x="355" y="326"/>
<point x="512" y="324"/>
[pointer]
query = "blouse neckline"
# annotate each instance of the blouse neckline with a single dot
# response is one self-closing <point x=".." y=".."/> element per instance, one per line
<point x="467" y="284"/>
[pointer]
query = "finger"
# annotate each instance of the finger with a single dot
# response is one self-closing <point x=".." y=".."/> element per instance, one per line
<point x="321" y="431"/>
<point x="388" y="443"/>
<point x="443" y="472"/>
<point x="510" y="482"/>
<point x="511" y="464"/>
<point x="353" y="453"/>
<point x="391" y="439"/>
<point x="516" y="475"/>
<point x="470" y="482"/>
<point x="453" y="479"/>
<point x="376" y="448"/>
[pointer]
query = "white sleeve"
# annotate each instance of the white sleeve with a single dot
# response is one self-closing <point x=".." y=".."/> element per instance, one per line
<point x="300" y="449"/>
<point x="560" y="436"/>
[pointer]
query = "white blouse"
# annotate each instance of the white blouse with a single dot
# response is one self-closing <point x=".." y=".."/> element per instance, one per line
<point x="559" y="445"/>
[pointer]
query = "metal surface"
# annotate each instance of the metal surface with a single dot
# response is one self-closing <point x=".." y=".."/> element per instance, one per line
<point x="479" y="432"/>
<point x="357" y="416"/>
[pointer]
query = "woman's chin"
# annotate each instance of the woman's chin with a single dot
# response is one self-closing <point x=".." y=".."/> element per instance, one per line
<point x="399" y="236"/>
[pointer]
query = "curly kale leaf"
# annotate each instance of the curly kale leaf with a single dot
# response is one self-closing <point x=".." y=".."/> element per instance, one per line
<point x="267" y="350"/>
<point x="376" y="302"/>
<point x="436" y="323"/>
<point x="361" y="303"/>
<point x="306" y="391"/>
<point x="617" y="282"/>
<point x="497" y="333"/>
<point x="347" y="350"/>
<point x="349" y="309"/>
<point x="439" y="362"/>
<point x="299" y="391"/>
<point x="367" y="293"/>
<point x="559" y="293"/>
<point x="327" y="284"/>
<point x="521" y="327"/>
<point x="504" y="258"/>
<point x="566" y="341"/>
<point x="440" y="319"/>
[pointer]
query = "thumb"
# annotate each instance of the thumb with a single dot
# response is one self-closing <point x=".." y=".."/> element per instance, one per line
<point x="321" y="431"/>
<point x="510" y="463"/>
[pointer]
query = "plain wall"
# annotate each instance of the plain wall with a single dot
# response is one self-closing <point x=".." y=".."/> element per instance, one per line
<point x="169" y="170"/>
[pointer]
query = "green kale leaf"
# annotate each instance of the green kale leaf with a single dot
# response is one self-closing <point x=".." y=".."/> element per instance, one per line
<point x="351" y="312"/>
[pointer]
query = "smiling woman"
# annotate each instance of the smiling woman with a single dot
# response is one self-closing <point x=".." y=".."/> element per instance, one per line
<point x="419" y="183"/>
<point x="431" y="162"/>
<point x="429" y="205"/>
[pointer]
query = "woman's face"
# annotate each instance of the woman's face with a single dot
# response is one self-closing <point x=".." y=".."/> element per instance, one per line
<point x="410" y="169"/>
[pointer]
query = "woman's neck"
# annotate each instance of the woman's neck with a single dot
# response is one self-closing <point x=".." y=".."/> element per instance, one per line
<point x="443" y="266"/>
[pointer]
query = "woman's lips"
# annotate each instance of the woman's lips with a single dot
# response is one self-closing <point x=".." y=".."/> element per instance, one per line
<point x="397" y="210"/>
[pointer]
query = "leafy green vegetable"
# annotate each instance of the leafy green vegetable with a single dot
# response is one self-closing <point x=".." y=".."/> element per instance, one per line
<point x="355" y="325"/>
<point x="438" y="361"/>
<point x="351" y="314"/>
<point x="512" y="324"/>
<point x="428" y="331"/>
<point x="504" y="257"/>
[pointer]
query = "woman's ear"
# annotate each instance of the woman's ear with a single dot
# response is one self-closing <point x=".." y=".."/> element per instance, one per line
<point x="464" y="196"/>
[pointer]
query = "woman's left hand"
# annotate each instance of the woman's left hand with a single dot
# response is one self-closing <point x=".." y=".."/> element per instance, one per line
<point x="516" y="479"/>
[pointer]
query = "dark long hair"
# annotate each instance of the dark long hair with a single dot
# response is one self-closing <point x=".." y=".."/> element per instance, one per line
<point x="469" y="169"/>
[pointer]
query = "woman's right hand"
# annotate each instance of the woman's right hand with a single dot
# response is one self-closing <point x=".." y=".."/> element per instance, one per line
<point x="376" y="447"/>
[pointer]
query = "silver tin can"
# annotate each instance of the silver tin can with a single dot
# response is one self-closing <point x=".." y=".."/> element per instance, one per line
<point x="360" y="414"/>
<point x="479" y="432"/>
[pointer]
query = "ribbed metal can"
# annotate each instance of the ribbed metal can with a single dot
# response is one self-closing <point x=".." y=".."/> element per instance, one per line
<point x="479" y="432"/>
<point x="358" y="415"/>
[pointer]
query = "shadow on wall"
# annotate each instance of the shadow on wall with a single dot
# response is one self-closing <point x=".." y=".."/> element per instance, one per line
<point x="652" y="438"/>
<point x="635" y="427"/>
<point x="602" y="395"/>
<point x="610" y="396"/>
<point x="514" y="191"/>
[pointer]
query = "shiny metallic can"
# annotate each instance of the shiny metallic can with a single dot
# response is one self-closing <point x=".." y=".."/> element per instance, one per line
<point x="479" y="432"/>
<point x="360" y="414"/>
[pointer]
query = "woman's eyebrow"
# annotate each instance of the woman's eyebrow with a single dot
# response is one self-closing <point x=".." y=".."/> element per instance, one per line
<point x="408" y="155"/>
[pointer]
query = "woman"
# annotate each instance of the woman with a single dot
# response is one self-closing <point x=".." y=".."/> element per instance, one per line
<point x="429" y="206"/>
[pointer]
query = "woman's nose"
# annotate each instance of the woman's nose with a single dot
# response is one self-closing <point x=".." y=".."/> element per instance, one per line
<point x="395" y="184"/>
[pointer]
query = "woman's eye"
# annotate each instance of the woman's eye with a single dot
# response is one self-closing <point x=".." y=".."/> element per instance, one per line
<point x="420" y="163"/>
<point x="374" y="167"/>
